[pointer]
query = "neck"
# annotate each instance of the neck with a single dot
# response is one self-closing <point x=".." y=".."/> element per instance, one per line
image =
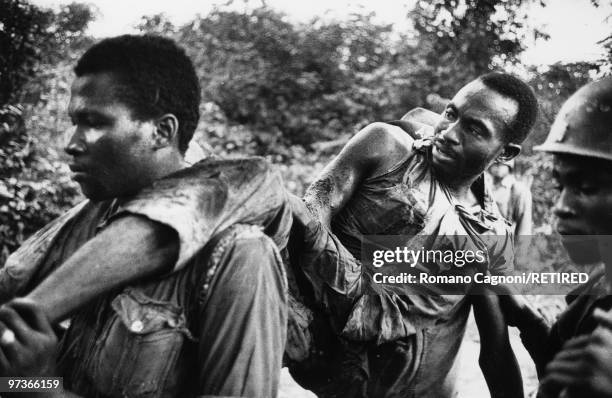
<point x="164" y="164"/>
<point x="460" y="188"/>
<point x="169" y="164"/>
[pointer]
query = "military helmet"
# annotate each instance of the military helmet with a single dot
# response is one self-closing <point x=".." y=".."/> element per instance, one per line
<point x="584" y="124"/>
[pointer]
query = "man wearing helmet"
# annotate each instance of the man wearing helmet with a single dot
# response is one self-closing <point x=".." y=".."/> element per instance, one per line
<point x="579" y="347"/>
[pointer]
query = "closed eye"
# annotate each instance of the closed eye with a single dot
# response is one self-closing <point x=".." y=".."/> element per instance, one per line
<point x="474" y="128"/>
<point x="477" y="127"/>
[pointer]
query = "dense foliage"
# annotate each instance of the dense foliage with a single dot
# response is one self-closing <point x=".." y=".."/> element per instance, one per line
<point x="35" y="45"/>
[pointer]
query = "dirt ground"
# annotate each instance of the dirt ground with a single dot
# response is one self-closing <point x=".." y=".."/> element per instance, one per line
<point x="471" y="382"/>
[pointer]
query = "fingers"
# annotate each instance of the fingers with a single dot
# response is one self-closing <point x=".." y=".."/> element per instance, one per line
<point x="20" y="321"/>
<point x="32" y="314"/>
<point x="577" y="342"/>
<point x="570" y="355"/>
<point x="9" y="344"/>
<point x="25" y="347"/>
<point x="567" y="368"/>
<point x="15" y="324"/>
<point x="571" y="365"/>
<point x="553" y="380"/>
<point x="603" y="317"/>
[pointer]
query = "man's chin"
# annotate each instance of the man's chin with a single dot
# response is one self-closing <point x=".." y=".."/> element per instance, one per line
<point x="582" y="249"/>
<point x="92" y="193"/>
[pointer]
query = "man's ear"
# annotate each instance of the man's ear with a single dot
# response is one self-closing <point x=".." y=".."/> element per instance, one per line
<point x="510" y="152"/>
<point x="166" y="130"/>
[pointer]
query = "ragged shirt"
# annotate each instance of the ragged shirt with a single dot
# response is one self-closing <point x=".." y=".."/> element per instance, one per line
<point x="409" y="200"/>
<point x="412" y="332"/>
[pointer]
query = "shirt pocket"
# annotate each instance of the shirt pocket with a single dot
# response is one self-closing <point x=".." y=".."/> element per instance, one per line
<point x="140" y="353"/>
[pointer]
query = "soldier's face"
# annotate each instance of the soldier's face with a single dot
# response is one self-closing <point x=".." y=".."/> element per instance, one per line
<point x="584" y="206"/>
<point x="111" y="151"/>
<point x="470" y="133"/>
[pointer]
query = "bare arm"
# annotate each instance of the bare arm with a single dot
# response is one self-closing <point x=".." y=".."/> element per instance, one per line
<point x="497" y="360"/>
<point x="373" y="149"/>
<point x="145" y="248"/>
<point x="533" y="326"/>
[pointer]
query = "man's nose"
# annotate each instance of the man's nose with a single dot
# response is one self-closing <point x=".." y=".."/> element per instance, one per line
<point x="75" y="146"/>
<point x="565" y="207"/>
<point x="449" y="132"/>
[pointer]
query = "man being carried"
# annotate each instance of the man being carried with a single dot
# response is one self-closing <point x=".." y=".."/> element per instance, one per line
<point x="384" y="182"/>
<point x="215" y="326"/>
<point x="578" y="352"/>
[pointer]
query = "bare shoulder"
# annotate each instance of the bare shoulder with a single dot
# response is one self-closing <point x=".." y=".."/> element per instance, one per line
<point x="382" y="140"/>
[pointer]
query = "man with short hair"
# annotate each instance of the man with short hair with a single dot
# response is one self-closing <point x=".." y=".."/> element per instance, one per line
<point x="578" y="352"/>
<point x="211" y="319"/>
<point x="384" y="182"/>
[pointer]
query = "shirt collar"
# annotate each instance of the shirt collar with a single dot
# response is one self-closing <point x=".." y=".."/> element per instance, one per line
<point x="113" y="206"/>
<point x="482" y="189"/>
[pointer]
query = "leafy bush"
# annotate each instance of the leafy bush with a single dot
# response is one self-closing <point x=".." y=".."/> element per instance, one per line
<point x="32" y="190"/>
<point x="36" y="45"/>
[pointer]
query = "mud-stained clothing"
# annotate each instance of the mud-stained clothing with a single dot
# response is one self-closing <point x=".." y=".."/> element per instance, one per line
<point x="215" y="326"/>
<point x="411" y="332"/>
<point x="417" y="205"/>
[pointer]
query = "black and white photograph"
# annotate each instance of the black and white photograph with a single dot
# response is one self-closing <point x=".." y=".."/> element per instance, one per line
<point x="319" y="199"/>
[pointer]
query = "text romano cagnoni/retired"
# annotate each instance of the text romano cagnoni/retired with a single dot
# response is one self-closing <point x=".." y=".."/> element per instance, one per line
<point x="485" y="279"/>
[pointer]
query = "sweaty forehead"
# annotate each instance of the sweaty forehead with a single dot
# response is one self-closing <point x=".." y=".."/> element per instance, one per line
<point x="478" y="100"/>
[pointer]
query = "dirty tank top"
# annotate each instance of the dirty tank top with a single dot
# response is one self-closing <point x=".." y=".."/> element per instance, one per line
<point x="408" y="200"/>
